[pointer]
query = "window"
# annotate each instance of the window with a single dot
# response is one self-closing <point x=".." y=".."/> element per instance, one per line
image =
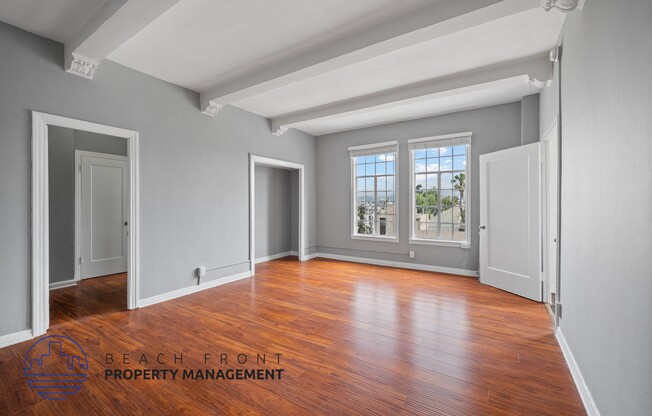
<point x="374" y="191"/>
<point x="439" y="176"/>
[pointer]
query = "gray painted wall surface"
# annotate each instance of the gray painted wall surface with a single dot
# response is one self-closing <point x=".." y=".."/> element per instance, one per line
<point x="193" y="178"/>
<point x="494" y="128"/>
<point x="606" y="240"/>
<point x="530" y="119"/>
<point x="273" y="211"/>
<point x="62" y="143"/>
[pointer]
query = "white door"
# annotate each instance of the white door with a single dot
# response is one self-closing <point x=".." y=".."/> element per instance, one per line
<point x="510" y="237"/>
<point x="104" y="214"/>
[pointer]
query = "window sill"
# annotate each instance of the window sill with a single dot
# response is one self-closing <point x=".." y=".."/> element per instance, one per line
<point x="375" y="238"/>
<point x="460" y="244"/>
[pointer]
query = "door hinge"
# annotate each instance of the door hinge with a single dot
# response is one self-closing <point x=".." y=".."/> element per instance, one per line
<point x="558" y="310"/>
<point x="81" y="168"/>
<point x="80" y="261"/>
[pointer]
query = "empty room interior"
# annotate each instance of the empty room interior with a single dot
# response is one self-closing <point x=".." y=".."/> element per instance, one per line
<point x="291" y="207"/>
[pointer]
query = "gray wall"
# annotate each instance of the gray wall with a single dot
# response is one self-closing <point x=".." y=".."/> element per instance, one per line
<point x="193" y="177"/>
<point x="62" y="143"/>
<point x="530" y="119"/>
<point x="274" y="219"/>
<point x="494" y="128"/>
<point x="606" y="285"/>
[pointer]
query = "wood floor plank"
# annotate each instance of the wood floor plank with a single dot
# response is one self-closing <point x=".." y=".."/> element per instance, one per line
<point x="354" y="339"/>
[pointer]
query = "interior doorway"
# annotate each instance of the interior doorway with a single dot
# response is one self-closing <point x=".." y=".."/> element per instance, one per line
<point x="123" y="175"/>
<point x="295" y="169"/>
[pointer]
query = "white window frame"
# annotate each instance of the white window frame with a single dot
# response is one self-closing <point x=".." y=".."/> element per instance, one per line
<point x="370" y="150"/>
<point x="442" y="141"/>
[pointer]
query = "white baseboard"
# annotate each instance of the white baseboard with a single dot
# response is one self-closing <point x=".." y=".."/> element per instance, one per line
<point x="582" y="388"/>
<point x="65" y="283"/>
<point x="15" y="338"/>
<point x="192" y="289"/>
<point x="400" y="265"/>
<point x="275" y="256"/>
<point x="311" y="256"/>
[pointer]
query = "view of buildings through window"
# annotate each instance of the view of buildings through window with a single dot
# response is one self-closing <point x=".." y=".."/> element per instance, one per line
<point x="375" y="202"/>
<point x="440" y="177"/>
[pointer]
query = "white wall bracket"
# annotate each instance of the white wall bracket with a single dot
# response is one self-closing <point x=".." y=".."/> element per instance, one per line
<point x="563" y="5"/>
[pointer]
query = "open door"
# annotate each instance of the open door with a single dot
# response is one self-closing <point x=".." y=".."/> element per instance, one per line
<point x="104" y="206"/>
<point x="510" y="232"/>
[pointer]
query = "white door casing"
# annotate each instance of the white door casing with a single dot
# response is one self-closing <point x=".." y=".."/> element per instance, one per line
<point x="102" y="210"/>
<point x="40" y="209"/>
<point x="510" y="232"/>
<point x="551" y="142"/>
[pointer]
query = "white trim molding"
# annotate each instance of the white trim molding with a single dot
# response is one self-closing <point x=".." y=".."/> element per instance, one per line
<point x="15" y="338"/>
<point x="152" y="300"/>
<point x="60" y="285"/>
<point x="283" y="164"/>
<point x="275" y="256"/>
<point x="582" y="388"/>
<point x="400" y="265"/>
<point x="40" y="209"/>
<point x="563" y="5"/>
<point x="82" y="66"/>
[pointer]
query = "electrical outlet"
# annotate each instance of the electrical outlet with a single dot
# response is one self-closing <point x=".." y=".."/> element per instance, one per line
<point x="411" y="254"/>
<point x="201" y="272"/>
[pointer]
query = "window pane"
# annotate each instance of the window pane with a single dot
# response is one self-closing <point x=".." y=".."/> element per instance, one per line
<point x="360" y="170"/>
<point x="447" y="232"/>
<point x="390" y="157"/>
<point x="446" y="181"/>
<point x="381" y="183"/>
<point x="369" y="184"/>
<point x="370" y="169"/>
<point x="360" y="184"/>
<point x="390" y="167"/>
<point x="390" y="183"/>
<point x="420" y="182"/>
<point x="360" y="198"/>
<point x="445" y="151"/>
<point x="459" y="163"/>
<point x="433" y="165"/>
<point x="419" y="154"/>
<point x="419" y="165"/>
<point x="446" y="163"/>
<point x="380" y="168"/>
<point x="459" y="150"/>
<point x="431" y="181"/>
<point x="370" y="159"/>
<point x="432" y="152"/>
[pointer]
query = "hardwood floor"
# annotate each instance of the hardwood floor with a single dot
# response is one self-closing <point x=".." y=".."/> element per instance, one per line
<point x="355" y="339"/>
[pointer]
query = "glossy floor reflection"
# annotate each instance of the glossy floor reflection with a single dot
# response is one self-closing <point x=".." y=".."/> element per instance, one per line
<point x="354" y="339"/>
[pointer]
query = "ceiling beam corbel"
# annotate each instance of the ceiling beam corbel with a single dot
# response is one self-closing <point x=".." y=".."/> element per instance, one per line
<point x="563" y="5"/>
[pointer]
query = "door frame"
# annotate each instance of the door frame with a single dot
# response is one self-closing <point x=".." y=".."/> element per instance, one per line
<point x="78" y="156"/>
<point x="274" y="163"/>
<point x="549" y="275"/>
<point x="40" y="212"/>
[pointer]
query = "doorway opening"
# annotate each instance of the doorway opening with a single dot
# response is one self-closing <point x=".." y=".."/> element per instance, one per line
<point x="96" y="166"/>
<point x="294" y="180"/>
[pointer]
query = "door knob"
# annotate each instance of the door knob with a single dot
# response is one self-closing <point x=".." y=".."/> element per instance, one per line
<point x="482" y="227"/>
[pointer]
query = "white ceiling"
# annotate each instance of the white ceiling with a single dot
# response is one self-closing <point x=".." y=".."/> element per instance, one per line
<point x="321" y="66"/>
<point x="54" y="19"/>
<point x="524" y="34"/>
<point x="198" y="43"/>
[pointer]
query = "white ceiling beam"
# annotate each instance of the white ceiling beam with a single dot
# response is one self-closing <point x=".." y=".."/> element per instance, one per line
<point x="441" y="19"/>
<point x="537" y="70"/>
<point x="109" y="28"/>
